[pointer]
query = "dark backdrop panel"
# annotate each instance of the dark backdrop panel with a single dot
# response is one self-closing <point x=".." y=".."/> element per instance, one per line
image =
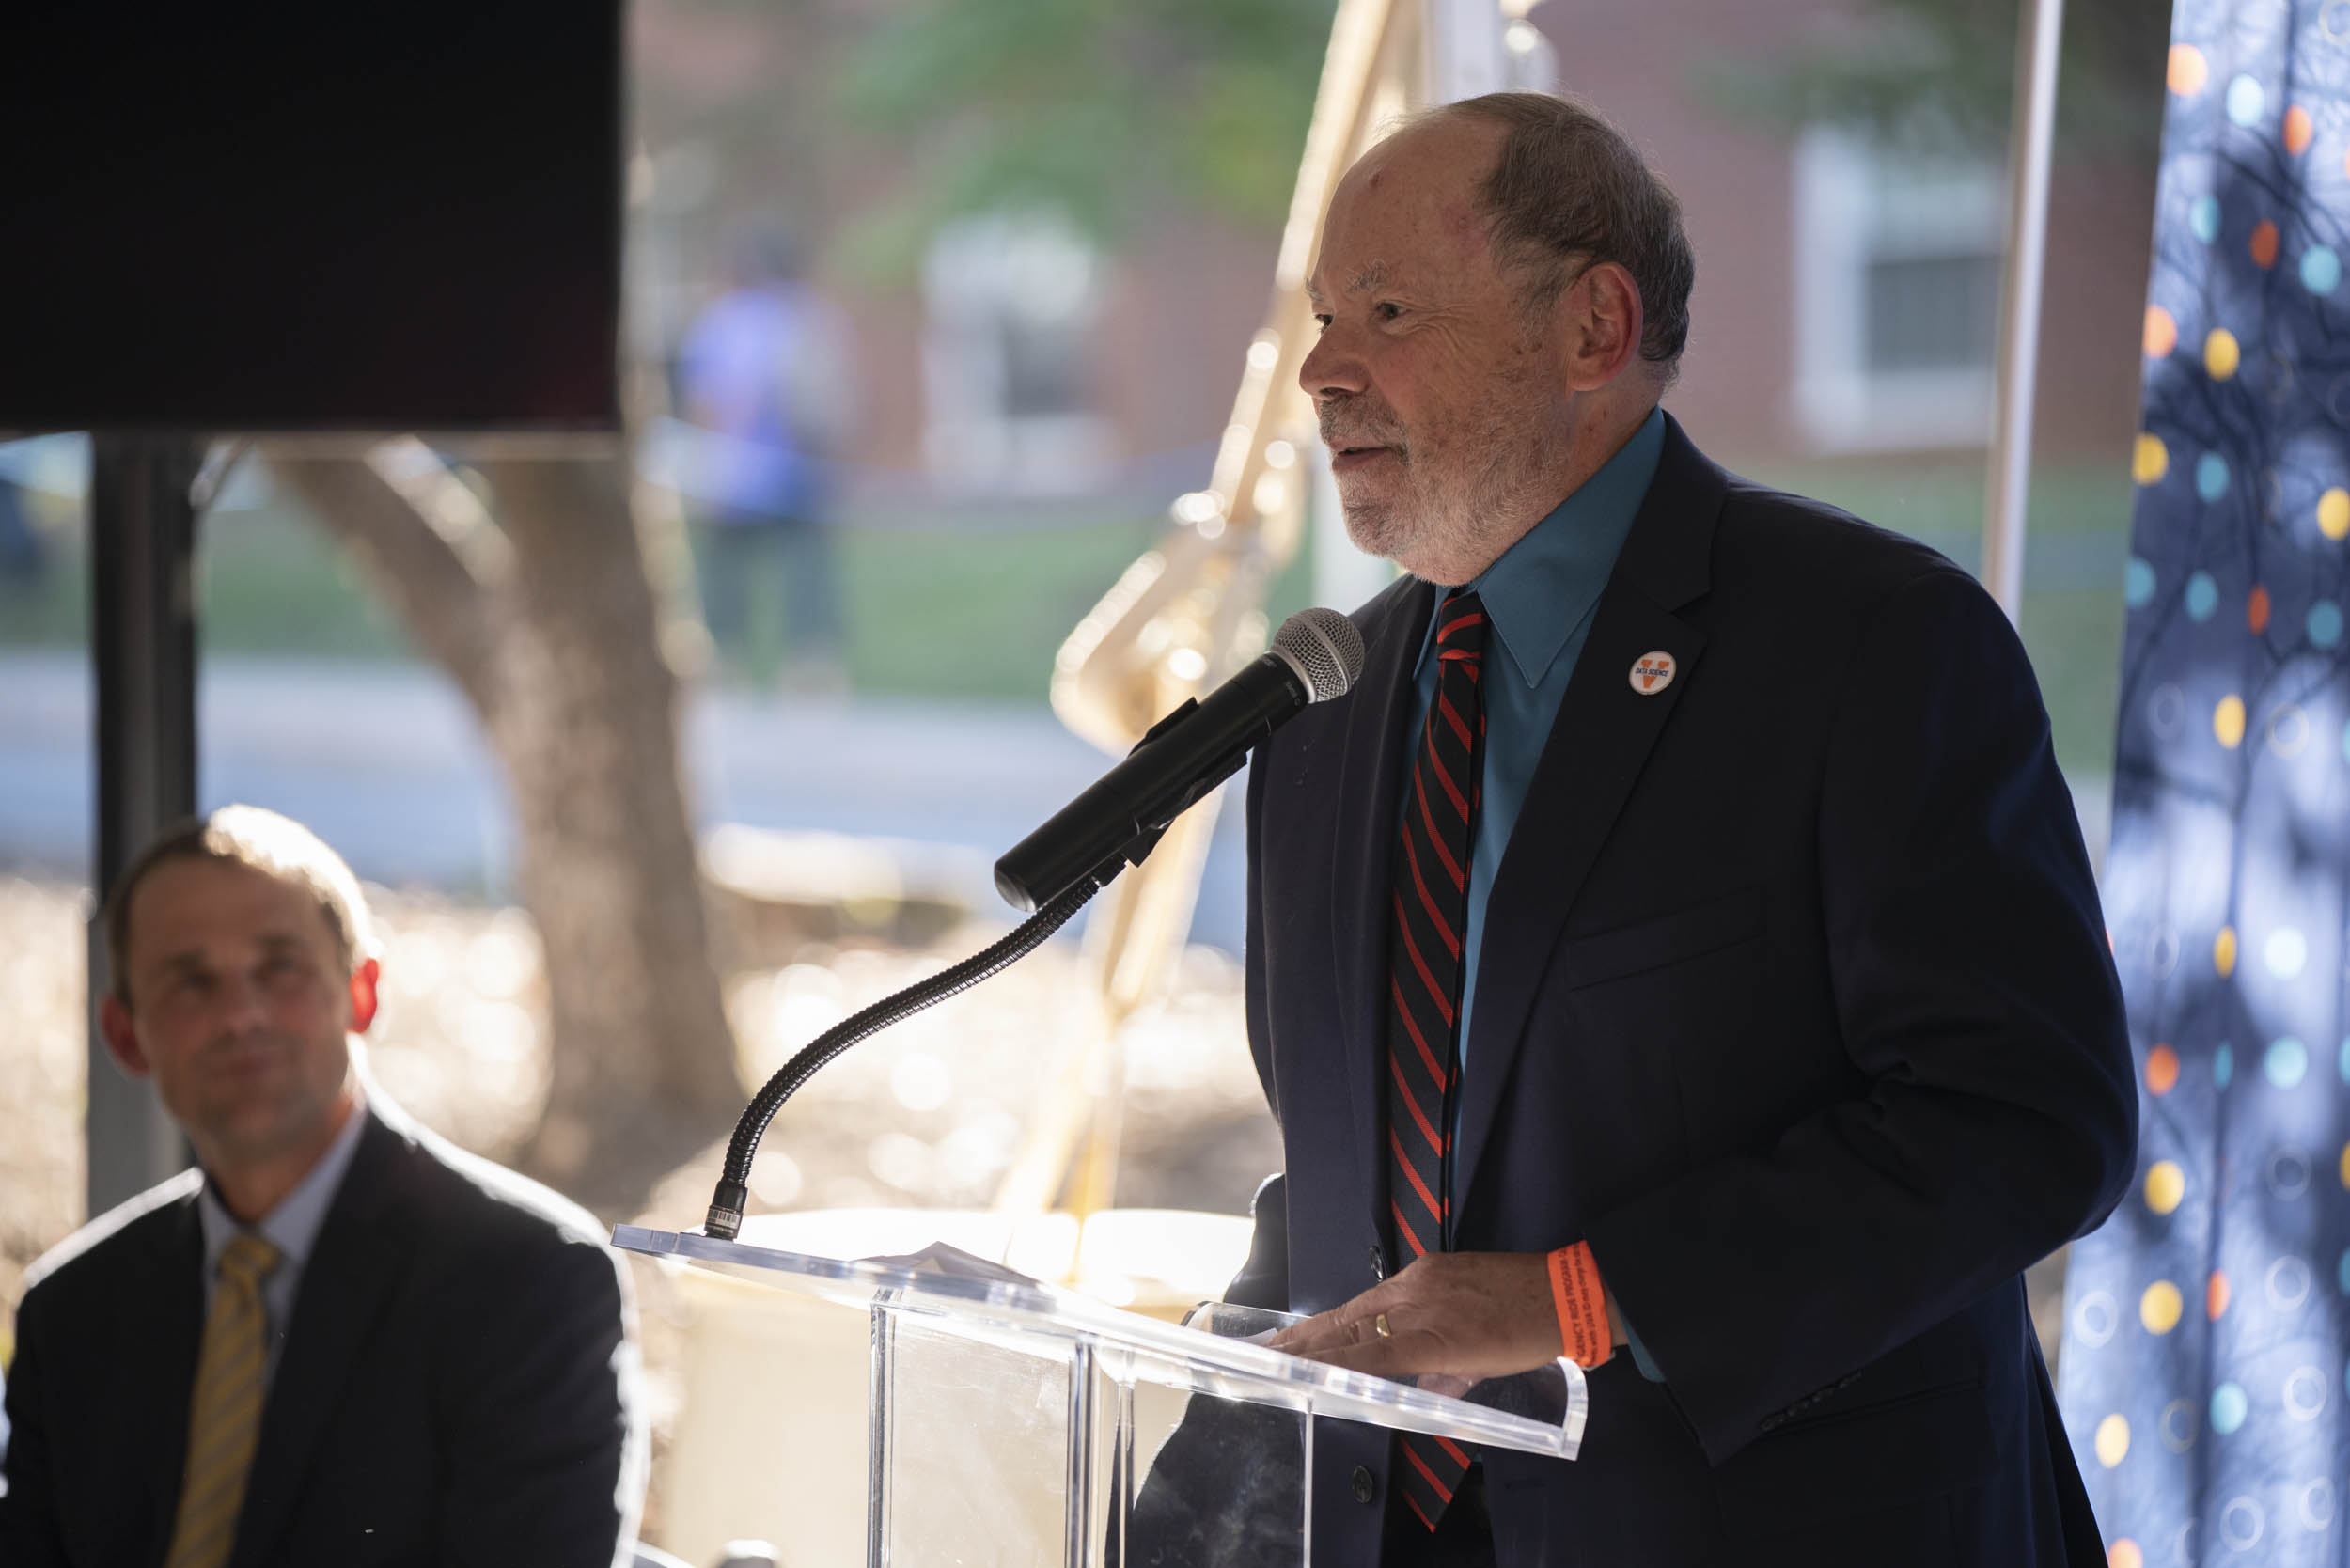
<point x="253" y="217"/>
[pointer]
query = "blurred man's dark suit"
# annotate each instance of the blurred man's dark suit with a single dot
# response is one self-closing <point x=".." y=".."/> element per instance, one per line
<point x="1794" y="1001"/>
<point x="455" y="1385"/>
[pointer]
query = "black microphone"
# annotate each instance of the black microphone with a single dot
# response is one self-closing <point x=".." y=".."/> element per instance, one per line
<point x="1315" y="656"/>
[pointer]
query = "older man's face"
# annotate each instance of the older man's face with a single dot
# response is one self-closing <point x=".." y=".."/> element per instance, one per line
<point x="1436" y="390"/>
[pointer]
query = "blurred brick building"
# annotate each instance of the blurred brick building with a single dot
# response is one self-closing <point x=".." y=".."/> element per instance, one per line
<point x="1845" y="306"/>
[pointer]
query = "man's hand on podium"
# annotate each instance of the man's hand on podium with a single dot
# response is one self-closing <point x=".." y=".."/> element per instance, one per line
<point x="1472" y="1315"/>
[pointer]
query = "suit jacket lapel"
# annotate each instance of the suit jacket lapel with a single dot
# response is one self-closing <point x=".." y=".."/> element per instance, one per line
<point x="1597" y="746"/>
<point x="345" y="1287"/>
<point x="1364" y="829"/>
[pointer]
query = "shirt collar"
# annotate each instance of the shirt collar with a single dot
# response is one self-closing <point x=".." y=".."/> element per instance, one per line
<point x="292" y="1227"/>
<point x="1540" y="590"/>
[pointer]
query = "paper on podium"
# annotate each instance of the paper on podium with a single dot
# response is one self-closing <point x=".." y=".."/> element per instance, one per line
<point x="953" y="1263"/>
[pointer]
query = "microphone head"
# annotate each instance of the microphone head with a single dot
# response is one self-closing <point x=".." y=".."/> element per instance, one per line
<point x="1324" y="648"/>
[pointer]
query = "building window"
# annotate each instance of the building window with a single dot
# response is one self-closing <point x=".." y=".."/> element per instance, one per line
<point x="1011" y="303"/>
<point x="1897" y="294"/>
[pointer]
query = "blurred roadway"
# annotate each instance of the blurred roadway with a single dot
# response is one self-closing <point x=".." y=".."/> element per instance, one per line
<point x="385" y="762"/>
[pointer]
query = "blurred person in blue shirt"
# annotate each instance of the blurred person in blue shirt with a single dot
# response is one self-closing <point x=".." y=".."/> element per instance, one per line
<point x="23" y="558"/>
<point x="765" y="376"/>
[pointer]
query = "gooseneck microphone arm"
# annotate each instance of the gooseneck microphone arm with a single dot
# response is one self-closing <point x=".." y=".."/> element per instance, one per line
<point x="1055" y="871"/>
<point x="734" y="1192"/>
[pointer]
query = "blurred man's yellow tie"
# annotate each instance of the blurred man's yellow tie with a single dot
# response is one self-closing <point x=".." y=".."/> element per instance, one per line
<point x="224" y="1417"/>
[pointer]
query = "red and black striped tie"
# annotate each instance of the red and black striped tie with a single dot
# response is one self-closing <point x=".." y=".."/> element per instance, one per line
<point x="1430" y="917"/>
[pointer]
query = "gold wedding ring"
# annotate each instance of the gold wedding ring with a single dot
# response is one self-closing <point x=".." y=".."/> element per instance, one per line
<point x="1379" y="1326"/>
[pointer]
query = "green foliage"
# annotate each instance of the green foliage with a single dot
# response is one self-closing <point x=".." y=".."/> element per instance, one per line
<point x="1114" y="112"/>
<point x="1935" y="72"/>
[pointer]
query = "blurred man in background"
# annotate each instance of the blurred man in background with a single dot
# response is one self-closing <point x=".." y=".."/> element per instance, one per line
<point x="337" y="1339"/>
<point x="764" y="376"/>
<point x="23" y="556"/>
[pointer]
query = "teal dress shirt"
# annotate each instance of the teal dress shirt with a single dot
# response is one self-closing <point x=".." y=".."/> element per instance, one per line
<point x="1539" y="597"/>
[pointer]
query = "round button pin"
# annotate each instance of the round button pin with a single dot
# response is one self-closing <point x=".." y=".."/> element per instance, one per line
<point x="1652" y="672"/>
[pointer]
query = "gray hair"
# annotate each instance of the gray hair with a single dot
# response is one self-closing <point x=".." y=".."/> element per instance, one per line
<point x="1568" y="191"/>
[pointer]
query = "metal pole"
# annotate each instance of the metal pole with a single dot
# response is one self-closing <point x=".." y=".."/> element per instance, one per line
<point x="2037" y="46"/>
<point x="142" y="522"/>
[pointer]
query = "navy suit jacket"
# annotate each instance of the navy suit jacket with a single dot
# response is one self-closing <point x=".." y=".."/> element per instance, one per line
<point x="1794" y="1001"/>
<point x="455" y="1385"/>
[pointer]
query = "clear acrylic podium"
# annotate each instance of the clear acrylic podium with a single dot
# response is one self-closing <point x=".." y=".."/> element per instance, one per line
<point x="1015" y="1424"/>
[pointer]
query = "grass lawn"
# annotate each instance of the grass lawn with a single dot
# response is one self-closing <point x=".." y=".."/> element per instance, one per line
<point x="976" y="611"/>
<point x="946" y="611"/>
<point x="267" y="582"/>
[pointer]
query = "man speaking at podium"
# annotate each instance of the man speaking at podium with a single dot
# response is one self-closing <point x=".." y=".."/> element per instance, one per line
<point x="1677" y="952"/>
<point x="339" y="1340"/>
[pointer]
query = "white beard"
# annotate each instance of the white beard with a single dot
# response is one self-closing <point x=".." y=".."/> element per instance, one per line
<point x="1464" y="501"/>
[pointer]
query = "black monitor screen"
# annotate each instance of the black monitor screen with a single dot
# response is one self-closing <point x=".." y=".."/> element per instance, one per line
<point x="267" y="217"/>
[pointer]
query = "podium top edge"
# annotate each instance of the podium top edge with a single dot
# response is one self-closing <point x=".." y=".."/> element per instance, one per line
<point x="1237" y="1368"/>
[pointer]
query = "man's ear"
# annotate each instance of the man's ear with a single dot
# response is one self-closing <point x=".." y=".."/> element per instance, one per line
<point x="122" y="1041"/>
<point x="363" y="980"/>
<point x="1603" y="326"/>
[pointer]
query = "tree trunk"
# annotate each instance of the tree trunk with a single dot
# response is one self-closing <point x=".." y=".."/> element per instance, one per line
<point x="549" y="621"/>
<point x="643" y="1063"/>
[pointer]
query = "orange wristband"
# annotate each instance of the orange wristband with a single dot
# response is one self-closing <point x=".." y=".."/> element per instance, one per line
<point x="1574" y="1290"/>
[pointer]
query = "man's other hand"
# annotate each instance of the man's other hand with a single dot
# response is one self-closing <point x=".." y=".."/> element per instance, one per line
<point x="1462" y="1314"/>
